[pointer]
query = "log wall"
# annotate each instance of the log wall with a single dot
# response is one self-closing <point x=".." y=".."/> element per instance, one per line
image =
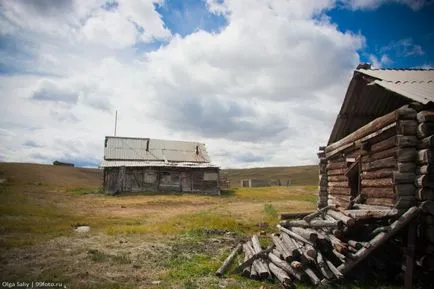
<point x="161" y="179"/>
<point x="424" y="183"/>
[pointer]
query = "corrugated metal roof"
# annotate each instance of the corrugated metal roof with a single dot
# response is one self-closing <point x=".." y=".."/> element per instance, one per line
<point x="145" y="149"/>
<point x="108" y="163"/>
<point x="375" y="92"/>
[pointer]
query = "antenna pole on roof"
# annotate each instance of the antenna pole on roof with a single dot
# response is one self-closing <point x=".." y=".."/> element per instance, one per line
<point x="116" y="121"/>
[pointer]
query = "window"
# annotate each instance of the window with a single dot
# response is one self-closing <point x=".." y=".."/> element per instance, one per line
<point x="210" y="176"/>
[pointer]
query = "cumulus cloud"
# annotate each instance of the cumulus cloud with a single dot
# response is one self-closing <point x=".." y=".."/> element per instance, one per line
<point x="404" y="48"/>
<point x="256" y="92"/>
<point x="373" y="4"/>
<point x="376" y="62"/>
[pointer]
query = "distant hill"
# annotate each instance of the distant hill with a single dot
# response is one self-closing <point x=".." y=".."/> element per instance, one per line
<point x="49" y="175"/>
<point x="300" y="175"/>
<point x="71" y="177"/>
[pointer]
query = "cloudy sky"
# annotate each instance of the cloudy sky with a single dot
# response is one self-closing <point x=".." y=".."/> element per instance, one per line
<point x="260" y="82"/>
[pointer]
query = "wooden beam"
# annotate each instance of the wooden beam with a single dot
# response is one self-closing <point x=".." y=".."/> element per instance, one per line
<point x="380" y="239"/>
<point x="369" y="128"/>
<point x="389" y="162"/>
<point x="384" y="182"/>
<point x="229" y="260"/>
<point x="407" y="127"/>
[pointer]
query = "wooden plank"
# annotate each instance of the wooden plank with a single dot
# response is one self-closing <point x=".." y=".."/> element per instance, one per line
<point x="371" y="214"/>
<point x="425" y="129"/>
<point x="286" y="216"/>
<point x="383" y="182"/>
<point x="367" y="129"/>
<point x="407" y="127"/>
<point x="378" y="192"/>
<point x="389" y="162"/>
<point x="338" y="178"/>
<point x="426" y="143"/>
<point x="338" y="184"/>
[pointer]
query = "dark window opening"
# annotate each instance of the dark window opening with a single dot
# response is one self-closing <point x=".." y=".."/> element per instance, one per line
<point x="197" y="150"/>
<point x="353" y="175"/>
<point x="147" y="146"/>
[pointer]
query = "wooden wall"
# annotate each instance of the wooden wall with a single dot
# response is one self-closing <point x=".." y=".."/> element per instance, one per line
<point x="161" y="179"/>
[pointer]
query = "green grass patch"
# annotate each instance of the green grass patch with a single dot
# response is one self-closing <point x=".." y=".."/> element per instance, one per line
<point x="270" y="211"/>
<point x="86" y="191"/>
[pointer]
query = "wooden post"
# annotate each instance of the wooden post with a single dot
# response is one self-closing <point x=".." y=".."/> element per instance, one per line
<point x="408" y="281"/>
<point x="228" y="260"/>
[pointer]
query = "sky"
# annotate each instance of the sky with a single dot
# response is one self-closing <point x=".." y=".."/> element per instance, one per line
<point x="259" y="82"/>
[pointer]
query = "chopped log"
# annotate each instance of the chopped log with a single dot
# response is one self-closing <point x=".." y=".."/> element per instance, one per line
<point x="427" y="207"/>
<point x="378" y="192"/>
<point x="371" y="214"/>
<point x="339" y="191"/>
<point x="312" y="224"/>
<point x="425" y="129"/>
<point x="371" y="207"/>
<point x="290" y="244"/>
<point x="315" y="214"/>
<point x="403" y="178"/>
<point x="260" y="267"/>
<point x="296" y="265"/>
<point x="252" y="258"/>
<point x="401" y="154"/>
<point x="384" y="182"/>
<point x="380" y="239"/>
<point x="277" y="253"/>
<point x="340" y="256"/>
<point x="338" y="178"/>
<point x="287" y="216"/>
<point x="337" y="244"/>
<point x="355" y="244"/>
<point x="405" y="190"/>
<point x="286" y="254"/>
<point x="281" y="275"/>
<point x="323" y="267"/>
<point x="229" y="260"/>
<point x="408" y="167"/>
<point x="341" y="217"/>
<point x="426" y="143"/>
<point x="256" y="245"/>
<point x="407" y="127"/>
<point x="382" y="145"/>
<point x="425" y="156"/>
<point x="382" y="173"/>
<point x="427" y="262"/>
<point x="309" y="252"/>
<point x="425" y="116"/>
<point x="427" y="169"/>
<point x="425" y="194"/>
<point x="294" y="235"/>
<point x="338" y="184"/>
<point x="307" y="234"/>
<point x="389" y="202"/>
<point x="284" y="266"/>
<point x="247" y="272"/>
<point x="334" y="270"/>
<point x="404" y="141"/>
<point x="389" y="162"/>
<point x="369" y="128"/>
<point x="336" y="165"/>
<point x="251" y="269"/>
<point x="312" y="276"/>
<point x="424" y="181"/>
<point x="335" y="172"/>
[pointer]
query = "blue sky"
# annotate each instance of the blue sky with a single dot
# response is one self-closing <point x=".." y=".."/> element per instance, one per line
<point x="258" y="81"/>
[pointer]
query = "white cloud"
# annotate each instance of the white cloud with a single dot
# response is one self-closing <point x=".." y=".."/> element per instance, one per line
<point x="373" y="4"/>
<point x="404" y="48"/>
<point x="257" y="92"/>
<point x="379" y="63"/>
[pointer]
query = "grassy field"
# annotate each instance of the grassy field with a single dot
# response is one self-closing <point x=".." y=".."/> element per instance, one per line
<point x="135" y="240"/>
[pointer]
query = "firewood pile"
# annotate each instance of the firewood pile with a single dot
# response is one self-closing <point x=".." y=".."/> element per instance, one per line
<point x="319" y="247"/>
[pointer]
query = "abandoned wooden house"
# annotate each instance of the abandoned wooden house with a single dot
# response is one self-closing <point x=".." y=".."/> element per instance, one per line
<point x="381" y="149"/>
<point x="154" y="165"/>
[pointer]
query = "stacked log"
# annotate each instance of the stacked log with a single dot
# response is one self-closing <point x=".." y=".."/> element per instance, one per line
<point x="304" y="250"/>
<point x="424" y="183"/>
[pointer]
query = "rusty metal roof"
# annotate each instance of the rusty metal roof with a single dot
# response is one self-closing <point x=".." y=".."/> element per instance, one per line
<point x="109" y="163"/>
<point x="375" y="92"/>
<point x="156" y="150"/>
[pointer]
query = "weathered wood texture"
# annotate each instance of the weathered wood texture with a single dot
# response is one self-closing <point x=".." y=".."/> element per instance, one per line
<point x="381" y="173"/>
<point x="425" y="129"/>
<point x="229" y="260"/>
<point x="425" y="156"/>
<point x="425" y="143"/>
<point x="425" y="116"/>
<point x="400" y="154"/>
<point x="407" y="127"/>
<point x="389" y="162"/>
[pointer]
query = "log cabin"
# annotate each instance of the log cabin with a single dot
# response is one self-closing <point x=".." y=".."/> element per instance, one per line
<point x="381" y="149"/>
<point x="154" y="165"/>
